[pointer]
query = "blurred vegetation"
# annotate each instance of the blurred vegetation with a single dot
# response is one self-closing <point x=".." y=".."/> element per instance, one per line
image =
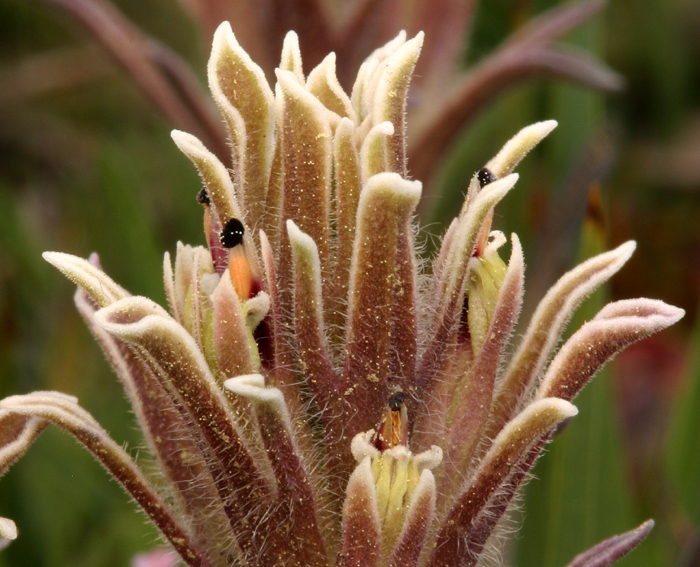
<point x="87" y="164"/>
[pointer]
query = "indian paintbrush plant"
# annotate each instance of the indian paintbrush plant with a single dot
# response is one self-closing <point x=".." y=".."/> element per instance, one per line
<point x="317" y="394"/>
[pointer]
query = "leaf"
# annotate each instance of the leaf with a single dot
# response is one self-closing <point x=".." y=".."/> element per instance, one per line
<point x="244" y="97"/>
<point x="64" y="412"/>
<point x="386" y="202"/>
<point x="509" y="449"/>
<point x="581" y="495"/>
<point x="609" y="551"/>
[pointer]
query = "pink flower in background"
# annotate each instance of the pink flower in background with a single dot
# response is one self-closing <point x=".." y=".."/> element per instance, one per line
<point x="156" y="558"/>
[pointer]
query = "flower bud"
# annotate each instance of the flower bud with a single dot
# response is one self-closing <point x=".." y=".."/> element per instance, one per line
<point x="486" y="273"/>
<point x="396" y="471"/>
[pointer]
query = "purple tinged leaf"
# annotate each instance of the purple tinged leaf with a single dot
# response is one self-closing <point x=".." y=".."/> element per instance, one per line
<point x="556" y="22"/>
<point x="306" y="168"/>
<point x="294" y="495"/>
<point x="167" y="434"/>
<point x="179" y="365"/>
<point x="362" y="530"/>
<point x="63" y="411"/>
<point x="385" y="203"/>
<point x="309" y="330"/>
<point x="575" y="65"/>
<point x="17" y="433"/>
<point x="616" y="326"/>
<point x="390" y="98"/>
<point x="134" y="52"/>
<point x="189" y="88"/>
<point x="450" y="287"/>
<point x="240" y="90"/>
<point x="348" y="184"/>
<point x="473" y="403"/>
<point x="416" y="524"/>
<point x="447" y="23"/>
<point x="612" y="549"/>
<point x="546" y="326"/>
<point x="514" y="442"/>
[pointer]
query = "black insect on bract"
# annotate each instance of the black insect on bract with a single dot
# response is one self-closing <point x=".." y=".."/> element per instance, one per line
<point x="396" y="400"/>
<point x="485" y="176"/>
<point x="232" y="233"/>
<point x="203" y="197"/>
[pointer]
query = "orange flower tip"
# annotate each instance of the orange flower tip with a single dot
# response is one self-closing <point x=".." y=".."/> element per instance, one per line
<point x="241" y="274"/>
<point x="231" y="237"/>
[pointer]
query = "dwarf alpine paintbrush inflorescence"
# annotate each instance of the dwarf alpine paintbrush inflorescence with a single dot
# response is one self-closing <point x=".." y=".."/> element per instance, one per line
<point x="315" y="395"/>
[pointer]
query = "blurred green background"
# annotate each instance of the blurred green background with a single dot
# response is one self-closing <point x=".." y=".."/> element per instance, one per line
<point x="86" y="164"/>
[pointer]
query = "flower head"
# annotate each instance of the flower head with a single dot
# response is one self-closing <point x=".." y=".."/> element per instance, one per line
<point x="314" y="396"/>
